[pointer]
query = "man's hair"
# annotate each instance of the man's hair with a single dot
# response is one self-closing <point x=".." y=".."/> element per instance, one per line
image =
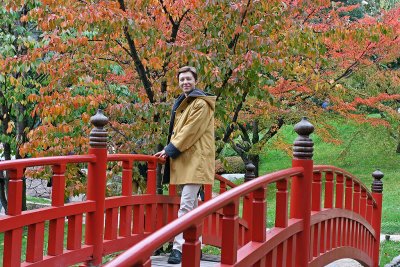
<point x="188" y="69"/>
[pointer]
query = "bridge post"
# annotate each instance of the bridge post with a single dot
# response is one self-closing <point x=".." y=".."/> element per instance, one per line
<point x="96" y="187"/>
<point x="300" y="197"/>
<point x="377" y="189"/>
<point x="248" y="200"/>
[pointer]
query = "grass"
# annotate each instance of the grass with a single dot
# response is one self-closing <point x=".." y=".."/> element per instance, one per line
<point x="363" y="150"/>
<point x="40" y="200"/>
<point x="389" y="250"/>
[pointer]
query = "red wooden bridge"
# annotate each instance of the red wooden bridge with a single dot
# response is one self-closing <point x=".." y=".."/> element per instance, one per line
<point x="323" y="213"/>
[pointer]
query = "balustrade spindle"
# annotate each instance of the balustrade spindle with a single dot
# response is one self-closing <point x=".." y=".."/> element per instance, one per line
<point x="230" y="228"/>
<point x="339" y="190"/>
<point x="150" y="217"/>
<point x="341" y="231"/>
<point x="349" y="194"/>
<point x="248" y="200"/>
<point x="356" y="198"/>
<point x="126" y="211"/>
<point x="328" y="190"/>
<point x="110" y="231"/>
<point x="291" y="251"/>
<point x="56" y="226"/>
<point x="74" y="240"/>
<point x="191" y="247"/>
<point x="34" y="247"/>
<point x="261" y="263"/>
<point x="316" y="192"/>
<point x="222" y="187"/>
<point x="138" y="222"/>
<point x="324" y="236"/>
<point x="13" y="238"/>
<point x="369" y="209"/>
<point x="172" y="190"/>
<point x="259" y="215"/>
<point x="349" y="230"/>
<point x="151" y="177"/>
<point x="207" y="192"/>
<point x="363" y="203"/>
<point x="329" y="234"/>
<point x="335" y="234"/>
<point x="281" y="254"/>
<point x="271" y="258"/>
<point x="281" y="217"/>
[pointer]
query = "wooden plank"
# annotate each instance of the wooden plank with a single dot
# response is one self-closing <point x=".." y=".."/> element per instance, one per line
<point x="161" y="261"/>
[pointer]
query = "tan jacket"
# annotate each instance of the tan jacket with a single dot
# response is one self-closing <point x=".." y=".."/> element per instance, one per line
<point x="191" y="149"/>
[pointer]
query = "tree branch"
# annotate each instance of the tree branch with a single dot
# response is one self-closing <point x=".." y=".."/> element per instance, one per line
<point x="138" y="63"/>
<point x="245" y="135"/>
<point x="273" y="130"/>
<point x="171" y="19"/>
<point x="231" y="126"/>
<point x="232" y="44"/>
<point x="256" y="136"/>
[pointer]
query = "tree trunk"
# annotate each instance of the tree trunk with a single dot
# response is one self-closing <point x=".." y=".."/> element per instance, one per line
<point x="159" y="174"/>
<point x="3" y="191"/>
<point x="5" y="119"/>
<point x="21" y="138"/>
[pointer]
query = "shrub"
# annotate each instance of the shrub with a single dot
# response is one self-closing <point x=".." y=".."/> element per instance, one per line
<point x="230" y="165"/>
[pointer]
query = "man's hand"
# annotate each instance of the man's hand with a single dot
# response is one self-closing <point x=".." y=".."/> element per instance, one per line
<point x="161" y="154"/>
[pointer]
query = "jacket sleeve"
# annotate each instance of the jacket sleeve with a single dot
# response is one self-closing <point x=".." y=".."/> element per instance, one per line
<point x="194" y="128"/>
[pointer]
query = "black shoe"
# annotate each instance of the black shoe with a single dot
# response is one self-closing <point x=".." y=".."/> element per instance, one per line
<point x="175" y="257"/>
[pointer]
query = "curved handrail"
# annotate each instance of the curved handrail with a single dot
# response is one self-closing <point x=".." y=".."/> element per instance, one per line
<point x="330" y="168"/>
<point x="134" y="157"/>
<point x="143" y="250"/>
<point x="224" y="180"/>
<point x="55" y="160"/>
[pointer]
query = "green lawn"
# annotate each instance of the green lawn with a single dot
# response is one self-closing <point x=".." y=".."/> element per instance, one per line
<point x="363" y="150"/>
<point x="389" y="250"/>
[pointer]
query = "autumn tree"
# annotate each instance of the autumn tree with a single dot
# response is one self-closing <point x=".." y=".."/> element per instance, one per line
<point x="18" y="80"/>
<point x="268" y="62"/>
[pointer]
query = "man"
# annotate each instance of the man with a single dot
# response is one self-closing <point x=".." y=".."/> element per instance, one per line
<point x="190" y="149"/>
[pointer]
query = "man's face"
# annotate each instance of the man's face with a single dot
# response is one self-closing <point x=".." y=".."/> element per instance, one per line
<point x="187" y="82"/>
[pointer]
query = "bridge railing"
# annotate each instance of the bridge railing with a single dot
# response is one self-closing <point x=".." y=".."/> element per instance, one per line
<point x="124" y="215"/>
<point x="191" y="223"/>
<point x="106" y="224"/>
<point x="339" y="198"/>
<point x="13" y="223"/>
<point x="94" y="227"/>
<point x="300" y="236"/>
<point x="328" y="219"/>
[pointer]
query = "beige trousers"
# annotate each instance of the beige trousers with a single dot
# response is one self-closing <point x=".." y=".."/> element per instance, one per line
<point x="189" y="201"/>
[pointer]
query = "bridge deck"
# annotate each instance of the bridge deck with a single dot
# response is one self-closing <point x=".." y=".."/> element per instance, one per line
<point x="212" y="261"/>
<point x="207" y="261"/>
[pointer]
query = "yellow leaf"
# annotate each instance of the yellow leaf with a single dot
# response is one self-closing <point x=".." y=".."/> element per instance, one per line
<point x="10" y="126"/>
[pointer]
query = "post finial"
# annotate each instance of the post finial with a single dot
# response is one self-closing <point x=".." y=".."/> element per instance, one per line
<point x="98" y="135"/>
<point x="250" y="172"/>
<point x="377" y="185"/>
<point x="303" y="145"/>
